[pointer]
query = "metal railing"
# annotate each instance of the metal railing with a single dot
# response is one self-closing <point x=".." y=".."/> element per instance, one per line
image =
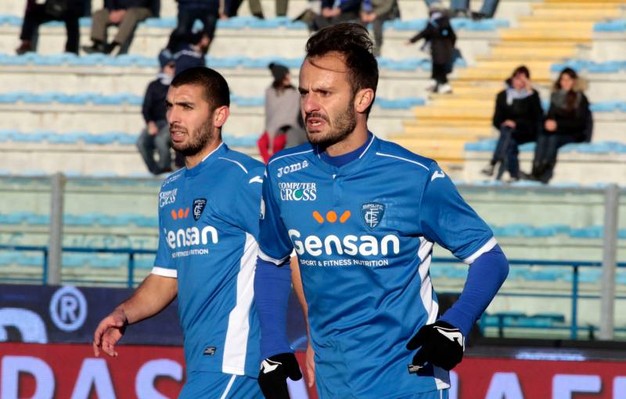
<point x="574" y="295"/>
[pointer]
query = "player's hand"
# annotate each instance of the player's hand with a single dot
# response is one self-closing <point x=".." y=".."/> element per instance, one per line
<point x="274" y="372"/>
<point x="441" y="344"/>
<point x="108" y="332"/>
<point x="310" y="365"/>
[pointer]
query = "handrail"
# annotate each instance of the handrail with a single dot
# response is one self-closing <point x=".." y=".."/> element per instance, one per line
<point x="131" y="252"/>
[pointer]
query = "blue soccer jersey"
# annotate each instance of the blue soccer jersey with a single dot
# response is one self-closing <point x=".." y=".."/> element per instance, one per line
<point x="208" y="221"/>
<point x="364" y="235"/>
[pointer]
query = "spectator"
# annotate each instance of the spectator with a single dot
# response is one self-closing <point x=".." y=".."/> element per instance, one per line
<point x="461" y="8"/>
<point x="190" y="55"/>
<point x="282" y="113"/>
<point x="569" y="120"/>
<point x="518" y="117"/>
<point x="36" y="14"/>
<point x="189" y="11"/>
<point x="439" y="40"/>
<point x="155" y="137"/>
<point x="334" y="12"/>
<point x="256" y="9"/>
<point x="376" y="13"/>
<point x="126" y="15"/>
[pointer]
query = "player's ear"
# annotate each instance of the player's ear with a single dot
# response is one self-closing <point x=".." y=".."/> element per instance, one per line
<point x="220" y="115"/>
<point x="363" y="100"/>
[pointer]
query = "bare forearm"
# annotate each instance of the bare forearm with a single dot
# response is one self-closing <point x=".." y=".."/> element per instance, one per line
<point x="152" y="296"/>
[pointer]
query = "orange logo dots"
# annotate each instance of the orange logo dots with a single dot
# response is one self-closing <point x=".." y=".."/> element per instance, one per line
<point x="319" y="218"/>
<point x="331" y="217"/>
<point x="180" y="213"/>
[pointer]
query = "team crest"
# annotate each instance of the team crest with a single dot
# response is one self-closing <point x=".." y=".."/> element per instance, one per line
<point x="198" y="207"/>
<point x="372" y="213"/>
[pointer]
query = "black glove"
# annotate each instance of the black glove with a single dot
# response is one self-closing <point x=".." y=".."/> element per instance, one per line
<point x="274" y="372"/>
<point x="441" y="345"/>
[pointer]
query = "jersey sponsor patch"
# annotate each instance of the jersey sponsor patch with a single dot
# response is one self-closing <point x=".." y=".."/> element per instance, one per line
<point x="198" y="207"/>
<point x="291" y="191"/>
<point x="209" y="351"/>
<point x="167" y="197"/>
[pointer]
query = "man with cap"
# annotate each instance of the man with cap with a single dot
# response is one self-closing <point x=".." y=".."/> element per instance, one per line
<point x="155" y="137"/>
<point x="283" y="124"/>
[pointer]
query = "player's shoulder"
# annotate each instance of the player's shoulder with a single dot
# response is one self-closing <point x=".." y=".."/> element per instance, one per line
<point x="171" y="180"/>
<point x="395" y="155"/>
<point x="237" y="162"/>
<point x="291" y="156"/>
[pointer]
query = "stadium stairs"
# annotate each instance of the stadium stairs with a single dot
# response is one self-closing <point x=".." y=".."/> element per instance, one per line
<point x="555" y="30"/>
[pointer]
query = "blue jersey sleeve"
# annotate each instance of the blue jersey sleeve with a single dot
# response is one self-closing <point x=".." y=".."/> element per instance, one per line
<point x="245" y="213"/>
<point x="274" y="240"/>
<point x="449" y="221"/>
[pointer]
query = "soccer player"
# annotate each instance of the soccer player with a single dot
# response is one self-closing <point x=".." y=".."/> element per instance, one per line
<point x="363" y="215"/>
<point x="208" y="231"/>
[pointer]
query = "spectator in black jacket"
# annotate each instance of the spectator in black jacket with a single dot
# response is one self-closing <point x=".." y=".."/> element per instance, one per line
<point x="334" y="12"/>
<point x="518" y="116"/>
<point x="569" y="120"/>
<point x="126" y="15"/>
<point x="39" y="13"/>
<point x="155" y="137"/>
<point x="440" y="40"/>
<point x="189" y="11"/>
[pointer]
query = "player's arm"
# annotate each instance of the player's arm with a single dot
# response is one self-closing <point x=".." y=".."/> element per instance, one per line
<point x="296" y="280"/>
<point x="272" y="287"/>
<point x="152" y="296"/>
<point x="453" y="224"/>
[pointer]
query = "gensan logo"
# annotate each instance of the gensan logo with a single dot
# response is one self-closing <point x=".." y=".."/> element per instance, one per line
<point x="190" y="236"/>
<point x="347" y="244"/>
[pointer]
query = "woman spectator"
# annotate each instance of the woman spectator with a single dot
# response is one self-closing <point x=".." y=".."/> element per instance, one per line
<point x="569" y="120"/>
<point x="282" y="114"/>
<point x="518" y="116"/>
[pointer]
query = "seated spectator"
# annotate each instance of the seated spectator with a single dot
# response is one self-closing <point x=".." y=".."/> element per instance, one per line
<point x="155" y="137"/>
<point x="126" y="15"/>
<point x="282" y="114"/>
<point x="189" y="11"/>
<point x="68" y="11"/>
<point x="440" y="40"/>
<point x="518" y="116"/>
<point x="334" y="12"/>
<point x="376" y="12"/>
<point x="569" y="120"/>
<point x="461" y="8"/>
<point x="256" y="9"/>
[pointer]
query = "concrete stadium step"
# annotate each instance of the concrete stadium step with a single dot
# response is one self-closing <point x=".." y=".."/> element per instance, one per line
<point x="508" y="52"/>
<point x="585" y="169"/>
<point x="579" y="3"/>
<point x="573" y="12"/>
<point x="466" y="114"/>
<point x="543" y="35"/>
<point x="568" y="25"/>
<point x="436" y="123"/>
<point x="470" y="133"/>
<point x="539" y="76"/>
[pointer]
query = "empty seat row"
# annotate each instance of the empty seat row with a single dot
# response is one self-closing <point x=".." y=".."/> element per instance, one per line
<point x="601" y="147"/>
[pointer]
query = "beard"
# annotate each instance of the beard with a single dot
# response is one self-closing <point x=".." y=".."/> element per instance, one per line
<point x="198" y="140"/>
<point x="341" y="127"/>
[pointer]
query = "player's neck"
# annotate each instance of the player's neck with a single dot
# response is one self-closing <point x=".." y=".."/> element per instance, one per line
<point x="355" y="140"/>
<point x="194" y="160"/>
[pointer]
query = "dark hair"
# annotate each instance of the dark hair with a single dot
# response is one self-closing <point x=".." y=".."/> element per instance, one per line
<point x="353" y="42"/>
<point x="521" y="70"/>
<point x="572" y="96"/>
<point x="216" y="91"/>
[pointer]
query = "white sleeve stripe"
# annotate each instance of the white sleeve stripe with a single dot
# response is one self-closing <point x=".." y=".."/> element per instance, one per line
<point x="275" y="261"/>
<point x="382" y="154"/>
<point x="162" y="271"/>
<point x="485" y="248"/>
<point x="236" y="163"/>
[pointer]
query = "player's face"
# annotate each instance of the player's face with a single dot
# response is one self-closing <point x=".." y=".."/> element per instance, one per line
<point x="326" y="100"/>
<point x="189" y="119"/>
